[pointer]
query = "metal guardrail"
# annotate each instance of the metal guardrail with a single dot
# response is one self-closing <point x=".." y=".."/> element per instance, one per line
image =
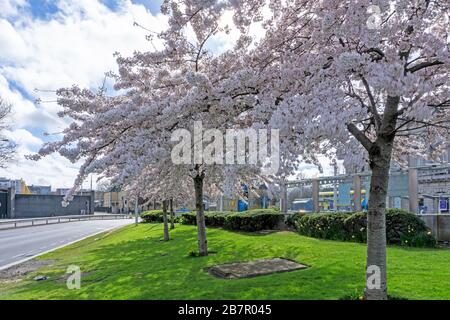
<point x="21" y="223"/>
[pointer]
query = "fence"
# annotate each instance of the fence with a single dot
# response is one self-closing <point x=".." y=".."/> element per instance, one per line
<point x="21" y="223"/>
<point x="439" y="225"/>
<point x="422" y="190"/>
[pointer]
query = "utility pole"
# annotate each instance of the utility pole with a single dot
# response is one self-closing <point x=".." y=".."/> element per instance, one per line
<point x="221" y="201"/>
<point x="283" y="196"/>
<point x="315" y="195"/>
<point x="136" y="210"/>
<point x="335" y="199"/>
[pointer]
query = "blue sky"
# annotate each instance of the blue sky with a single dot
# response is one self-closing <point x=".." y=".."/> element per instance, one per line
<point x="44" y="9"/>
<point x="47" y="45"/>
<point x="152" y="5"/>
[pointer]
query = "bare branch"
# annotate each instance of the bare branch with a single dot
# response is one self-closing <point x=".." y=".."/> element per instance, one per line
<point x="373" y="105"/>
<point x="7" y="147"/>
<point x="360" y="136"/>
<point x="424" y="65"/>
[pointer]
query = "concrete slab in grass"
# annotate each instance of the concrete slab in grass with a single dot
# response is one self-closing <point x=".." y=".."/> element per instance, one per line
<point x="254" y="268"/>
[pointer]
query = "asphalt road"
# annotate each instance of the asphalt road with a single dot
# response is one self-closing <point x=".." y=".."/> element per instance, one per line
<point x="22" y="243"/>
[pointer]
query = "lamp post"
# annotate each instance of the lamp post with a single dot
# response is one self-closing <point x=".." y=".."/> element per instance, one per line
<point x="335" y="187"/>
<point x="136" y="210"/>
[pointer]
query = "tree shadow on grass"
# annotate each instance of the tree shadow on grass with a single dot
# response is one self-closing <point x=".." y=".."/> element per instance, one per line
<point x="175" y="275"/>
<point x="250" y="233"/>
<point x="145" y="269"/>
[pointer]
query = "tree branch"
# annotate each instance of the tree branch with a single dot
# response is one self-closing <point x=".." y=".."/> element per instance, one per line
<point x="373" y="105"/>
<point x="360" y="136"/>
<point x="424" y="65"/>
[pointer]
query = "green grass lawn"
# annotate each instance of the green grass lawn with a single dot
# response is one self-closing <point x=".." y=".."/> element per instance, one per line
<point x="132" y="263"/>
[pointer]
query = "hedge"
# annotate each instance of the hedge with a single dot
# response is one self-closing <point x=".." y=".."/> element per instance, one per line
<point x="323" y="226"/>
<point x="402" y="227"/>
<point x="212" y="218"/>
<point x="155" y="216"/>
<point x="152" y="216"/>
<point x="251" y="220"/>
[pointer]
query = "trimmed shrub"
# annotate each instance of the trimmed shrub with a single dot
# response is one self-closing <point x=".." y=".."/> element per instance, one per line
<point x="292" y="219"/>
<point x="402" y="228"/>
<point x="271" y="210"/>
<point x="252" y="220"/>
<point x="402" y="224"/>
<point x="156" y="216"/>
<point x="356" y="227"/>
<point x="153" y="216"/>
<point x="212" y="218"/>
<point x="215" y="218"/>
<point x="189" y="218"/>
<point x="323" y="226"/>
<point x="421" y="240"/>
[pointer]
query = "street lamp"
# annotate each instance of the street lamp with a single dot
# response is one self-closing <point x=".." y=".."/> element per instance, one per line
<point x="136" y="210"/>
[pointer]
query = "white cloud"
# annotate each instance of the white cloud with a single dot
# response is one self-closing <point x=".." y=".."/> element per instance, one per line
<point x="75" y="47"/>
<point x="53" y="170"/>
<point x="13" y="46"/>
<point x="24" y="139"/>
<point x="10" y="7"/>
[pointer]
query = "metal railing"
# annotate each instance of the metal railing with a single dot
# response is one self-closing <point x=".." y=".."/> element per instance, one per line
<point x="21" y="223"/>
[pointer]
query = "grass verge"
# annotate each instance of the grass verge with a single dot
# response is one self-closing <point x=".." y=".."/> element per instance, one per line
<point x="132" y="263"/>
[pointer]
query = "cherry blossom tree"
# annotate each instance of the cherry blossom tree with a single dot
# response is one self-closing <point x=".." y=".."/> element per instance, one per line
<point x="364" y="80"/>
<point x="183" y="84"/>
<point x="127" y="136"/>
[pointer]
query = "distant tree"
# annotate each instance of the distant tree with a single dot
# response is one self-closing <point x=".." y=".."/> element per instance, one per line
<point x="7" y="147"/>
<point x="104" y="186"/>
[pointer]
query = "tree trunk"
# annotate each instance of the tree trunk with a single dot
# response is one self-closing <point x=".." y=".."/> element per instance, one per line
<point x="376" y="282"/>
<point x="380" y="152"/>
<point x="166" y="225"/>
<point x="172" y="215"/>
<point x="380" y="161"/>
<point x="201" y="228"/>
